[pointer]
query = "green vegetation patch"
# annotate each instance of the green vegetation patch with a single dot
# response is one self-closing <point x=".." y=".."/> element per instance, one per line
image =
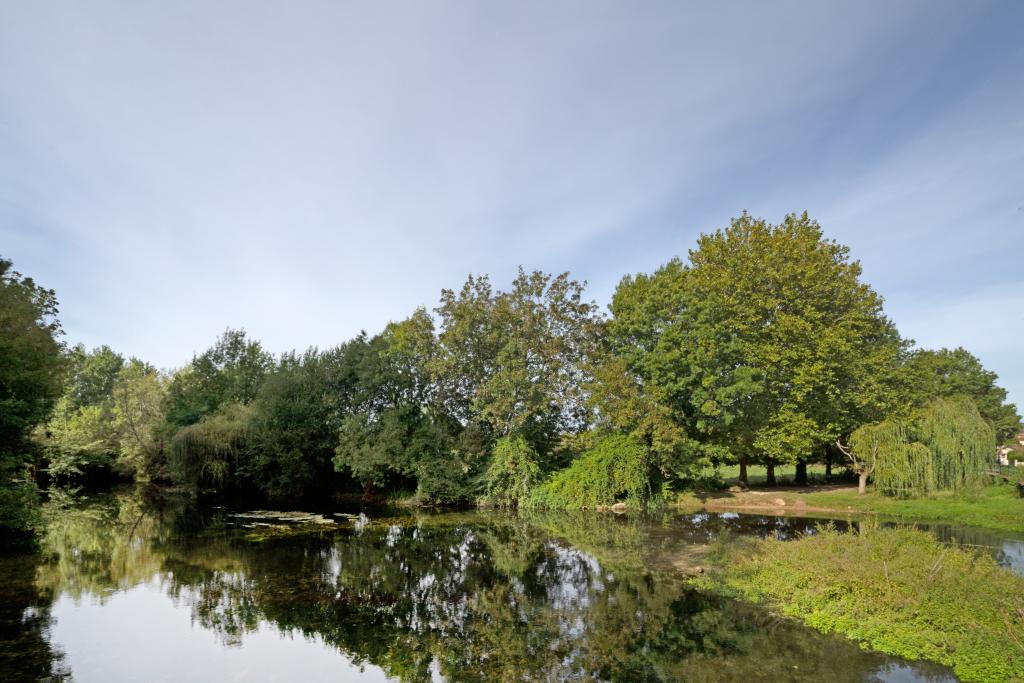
<point x="615" y="470"/>
<point x="994" y="507"/>
<point x="897" y="591"/>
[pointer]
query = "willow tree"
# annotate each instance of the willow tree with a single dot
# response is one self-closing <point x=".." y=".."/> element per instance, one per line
<point x="207" y="453"/>
<point x="961" y="441"/>
<point x="885" y="452"/>
<point x="945" y="446"/>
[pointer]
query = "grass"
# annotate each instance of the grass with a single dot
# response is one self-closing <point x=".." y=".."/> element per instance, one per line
<point x="784" y="474"/>
<point x="994" y="507"/>
<point x="898" y="591"/>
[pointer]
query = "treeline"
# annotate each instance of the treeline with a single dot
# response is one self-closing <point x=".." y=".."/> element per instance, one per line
<point x="763" y="347"/>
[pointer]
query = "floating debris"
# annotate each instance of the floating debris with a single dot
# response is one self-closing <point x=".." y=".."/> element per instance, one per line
<point x="269" y="517"/>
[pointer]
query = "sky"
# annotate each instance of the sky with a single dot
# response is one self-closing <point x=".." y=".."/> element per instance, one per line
<point x="306" y="170"/>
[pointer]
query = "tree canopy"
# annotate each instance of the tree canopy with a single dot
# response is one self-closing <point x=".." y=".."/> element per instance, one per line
<point x="31" y="375"/>
<point x="763" y="346"/>
<point x="766" y="345"/>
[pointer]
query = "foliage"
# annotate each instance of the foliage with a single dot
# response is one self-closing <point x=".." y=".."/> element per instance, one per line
<point x="949" y="373"/>
<point x="517" y="360"/>
<point x="945" y="446"/>
<point x="108" y="420"/>
<point x="91" y="376"/>
<point x="960" y="440"/>
<point x="512" y="474"/>
<point x="617" y="469"/>
<point x="898" y="591"/>
<point x="232" y="370"/>
<point x="79" y="441"/>
<point x="139" y="393"/>
<point x="31" y="372"/>
<point x="766" y="345"/>
<point x="208" y="452"/>
<point x="293" y="426"/>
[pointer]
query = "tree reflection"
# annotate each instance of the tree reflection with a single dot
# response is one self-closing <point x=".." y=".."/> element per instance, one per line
<point x="470" y="597"/>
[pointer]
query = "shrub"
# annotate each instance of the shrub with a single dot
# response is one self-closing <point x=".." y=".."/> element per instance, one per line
<point x="616" y="469"/>
<point x="512" y="474"/>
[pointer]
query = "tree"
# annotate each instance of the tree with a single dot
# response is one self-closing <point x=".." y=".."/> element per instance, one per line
<point x="766" y="345"/>
<point x="512" y="474"/>
<point x="396" y="433"/>
<point x="944" y="446"/>
<point x="207" y="412"/>
<point x="91" y="376"/>
<point x="82" y="438"/>
<point x="232" y="370"/>
<point x="295" y="422"/>
<point x="31" y="373"/>
<point x="948" y="373"/>
<point x="516" y="363"/>
<point x="139" y="393"/>
<point x="617" y="469"/>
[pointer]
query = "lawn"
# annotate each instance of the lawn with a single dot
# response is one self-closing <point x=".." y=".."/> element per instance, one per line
<point x="993" y="507"/>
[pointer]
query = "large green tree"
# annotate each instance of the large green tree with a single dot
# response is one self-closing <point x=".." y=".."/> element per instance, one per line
<point x="516" y="363"/>
<point x="207" y="410"/>
<point x="766" y="344"/>
<point x="232" y="370"/>
<point x="397" y="433"/>
<point x="293" y="428"/>
<point x="82" y="438"/>
<point x="31" y="375"/>
<point x="139" y="394"/>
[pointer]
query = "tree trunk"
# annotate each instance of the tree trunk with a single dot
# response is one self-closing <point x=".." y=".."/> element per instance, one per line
<point x="801" y="473"/>
<point x="769" y="474"/>
<point x="743" y="470"/>
<point x="862" y="483"/>
<point x="828" y="467"/>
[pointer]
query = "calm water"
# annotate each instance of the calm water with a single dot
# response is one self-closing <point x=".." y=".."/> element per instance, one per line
<point x="131" y="591"/>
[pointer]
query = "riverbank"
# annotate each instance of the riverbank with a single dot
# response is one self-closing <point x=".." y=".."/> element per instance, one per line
<point x="897" y="591"/>
<point x="995" y="507"/>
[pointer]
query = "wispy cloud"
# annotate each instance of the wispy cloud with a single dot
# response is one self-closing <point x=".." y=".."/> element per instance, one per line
<point x="310" y="169"/>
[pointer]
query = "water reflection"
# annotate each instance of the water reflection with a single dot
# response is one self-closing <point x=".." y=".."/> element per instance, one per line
<point x="167" y="592"/>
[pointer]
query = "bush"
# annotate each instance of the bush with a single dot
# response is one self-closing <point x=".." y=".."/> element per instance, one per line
<point x="616" y="469"/>
<point x="512" y="474"/>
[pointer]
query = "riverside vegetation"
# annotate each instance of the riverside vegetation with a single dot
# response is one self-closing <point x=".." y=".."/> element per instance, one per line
<point x="897" y="591"/>
<point x="763" y="348"/>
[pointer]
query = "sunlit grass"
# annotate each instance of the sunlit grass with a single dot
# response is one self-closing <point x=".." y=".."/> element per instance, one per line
<point x="897" y="591"/>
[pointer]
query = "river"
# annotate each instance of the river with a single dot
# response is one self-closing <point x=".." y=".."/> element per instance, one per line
<point x="132" y="589"/>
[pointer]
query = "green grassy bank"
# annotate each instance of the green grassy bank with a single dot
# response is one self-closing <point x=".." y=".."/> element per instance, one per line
<point x="993" y="507"/>
<point x="997" y="507"/>
<point x="897" y="591"/>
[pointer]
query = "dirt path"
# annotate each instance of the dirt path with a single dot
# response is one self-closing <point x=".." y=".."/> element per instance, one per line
<point x="776" y="500"/>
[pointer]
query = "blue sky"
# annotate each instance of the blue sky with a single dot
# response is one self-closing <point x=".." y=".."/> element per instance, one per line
<point x="306" y="170"/>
